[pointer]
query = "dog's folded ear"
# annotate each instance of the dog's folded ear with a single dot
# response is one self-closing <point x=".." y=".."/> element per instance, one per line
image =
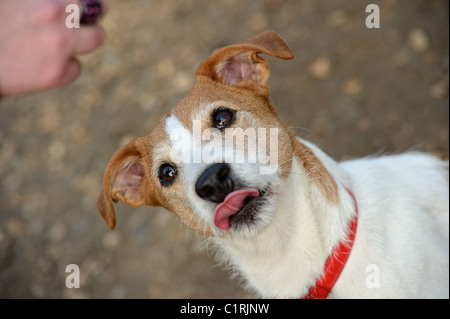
<point x="240" y="64"/>
<point x="126" y="180"/>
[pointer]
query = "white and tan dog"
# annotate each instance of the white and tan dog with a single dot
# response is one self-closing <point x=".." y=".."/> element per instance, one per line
<point x="291" y="220"/>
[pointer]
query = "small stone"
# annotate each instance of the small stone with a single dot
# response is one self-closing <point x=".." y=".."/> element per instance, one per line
<point x="320" y="68"/>
<point x="165" y="68"/>
<point x="50" y="119"/>
<point x="402" y="58"/>
<point x="364" y="124"/>
<point x="111" y="240"/>
<point x="56" y="151"/>
<point x="352" y="86"/>
<point x="337" y="19"/>
<point x="88" y="184"/>
<point x="146" y="101"/>
<point x="182" y="82"/>
<point x="57" y="232"/>
<point x="418" y="40"/>
<point x="259" y="22"/>
<point x="439" y="89"/>
<point x="15" y="227"/>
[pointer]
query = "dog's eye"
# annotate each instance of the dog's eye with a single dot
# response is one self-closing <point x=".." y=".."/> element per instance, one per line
<point x="223" y="117"/>
<point x="167" y="173"/>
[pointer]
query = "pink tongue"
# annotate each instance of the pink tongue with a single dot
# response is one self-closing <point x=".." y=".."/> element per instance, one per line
<point x="231" y="205"/>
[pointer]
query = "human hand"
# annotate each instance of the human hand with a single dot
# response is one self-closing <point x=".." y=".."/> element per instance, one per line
<point x="37" y="50"/>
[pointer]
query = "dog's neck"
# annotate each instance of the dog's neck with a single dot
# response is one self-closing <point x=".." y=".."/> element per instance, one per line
<point x="299" y="240"/>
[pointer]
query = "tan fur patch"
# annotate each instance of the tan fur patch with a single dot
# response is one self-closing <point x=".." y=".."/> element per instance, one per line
<point x="316" y="170"/>
<point x="172" y="197"/>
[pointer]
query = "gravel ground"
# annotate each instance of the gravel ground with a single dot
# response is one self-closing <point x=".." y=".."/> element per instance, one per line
<point x="352" y="90"/>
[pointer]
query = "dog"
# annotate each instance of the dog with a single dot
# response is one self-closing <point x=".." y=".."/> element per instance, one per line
<point x="294" y="223"/>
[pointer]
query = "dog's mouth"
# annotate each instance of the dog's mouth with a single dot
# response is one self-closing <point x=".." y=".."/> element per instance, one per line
<point x="240" y="206"/>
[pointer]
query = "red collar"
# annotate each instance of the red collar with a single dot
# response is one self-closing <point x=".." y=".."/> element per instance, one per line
<point x="335" y="262"/>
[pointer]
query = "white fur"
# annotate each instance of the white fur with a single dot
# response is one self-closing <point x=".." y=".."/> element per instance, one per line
<point x="401" y="248"/>
<point x="185" y="145"/>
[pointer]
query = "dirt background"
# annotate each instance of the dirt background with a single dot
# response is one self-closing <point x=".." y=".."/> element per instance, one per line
<point x="352" y="90"/>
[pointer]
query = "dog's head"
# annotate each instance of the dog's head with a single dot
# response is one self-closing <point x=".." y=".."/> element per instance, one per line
<point x="218" y="159"/>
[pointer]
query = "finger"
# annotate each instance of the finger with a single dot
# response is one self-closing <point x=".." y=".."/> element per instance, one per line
<point x="49" y="11"/>
<point x="86" y="39"/>
<point x="58" y="78"/>
<point x="71" y="72"/>
<point x="105" y="7"/>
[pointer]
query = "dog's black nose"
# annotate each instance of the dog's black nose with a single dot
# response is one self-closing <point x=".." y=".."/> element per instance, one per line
<point x="214" y="184"/>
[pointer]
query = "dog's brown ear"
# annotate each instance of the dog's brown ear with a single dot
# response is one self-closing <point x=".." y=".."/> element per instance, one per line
<point x="126" y="180"/>
<point x="240" y="64"/>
